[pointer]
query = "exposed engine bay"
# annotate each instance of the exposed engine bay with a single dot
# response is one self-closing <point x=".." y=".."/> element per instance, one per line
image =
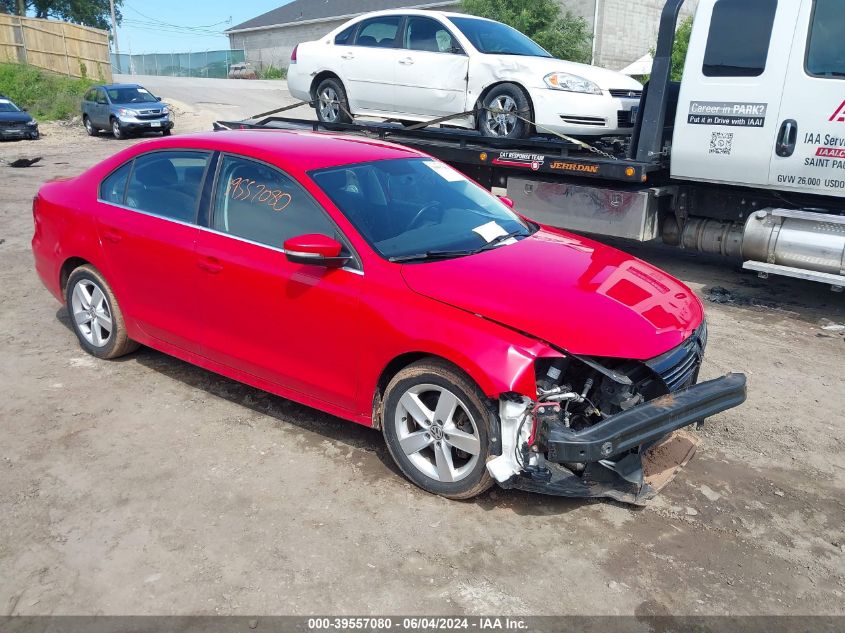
<point x="597" y="425"/>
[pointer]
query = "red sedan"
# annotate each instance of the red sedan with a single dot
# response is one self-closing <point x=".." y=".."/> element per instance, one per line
<point x="375" y="283"/>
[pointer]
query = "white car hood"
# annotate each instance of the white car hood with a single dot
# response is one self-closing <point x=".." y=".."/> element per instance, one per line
<point x="531" y="70"/>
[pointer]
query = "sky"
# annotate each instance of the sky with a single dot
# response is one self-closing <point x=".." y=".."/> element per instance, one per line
<point x="176" y="26"/>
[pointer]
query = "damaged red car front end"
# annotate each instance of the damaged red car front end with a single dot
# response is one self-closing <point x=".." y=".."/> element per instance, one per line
<point x="618" y="382"/>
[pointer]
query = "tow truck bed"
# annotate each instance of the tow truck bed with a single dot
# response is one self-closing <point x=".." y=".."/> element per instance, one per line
<point x="489" y="161"/>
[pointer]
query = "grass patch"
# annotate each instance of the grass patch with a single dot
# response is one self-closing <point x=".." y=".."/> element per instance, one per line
<point x="271" y="72"/>
<point x="46" y="95"/>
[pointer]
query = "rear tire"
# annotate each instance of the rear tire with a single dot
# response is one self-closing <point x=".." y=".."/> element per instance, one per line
<point x="507" y="100"/>
<point x="331" y="102"/>
<point x="165" y="132"/>
<point x="95" y="315"/>
<point x="92" y="129"/>
<point x="436" y="426"/>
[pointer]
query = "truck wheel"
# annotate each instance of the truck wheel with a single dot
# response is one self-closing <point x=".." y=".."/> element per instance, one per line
<point x="499" y="110"/>
<point x="332" y="104"/>
<point x="90" y="127"/>
<point x="436" y="427"/>
<point x="96" y="317"/>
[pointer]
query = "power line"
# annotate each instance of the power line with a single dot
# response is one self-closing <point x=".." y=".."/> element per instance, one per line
<point x="152" y="26"/>
<point x="158" y="22"/>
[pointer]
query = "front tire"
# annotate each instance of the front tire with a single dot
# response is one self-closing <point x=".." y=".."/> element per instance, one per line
<point x="117" y="131"/>
<point x="436" y="427"/>
<point x="501" y="110"/>
<point x="95" y="315"/>
<point x="331" y="102"/>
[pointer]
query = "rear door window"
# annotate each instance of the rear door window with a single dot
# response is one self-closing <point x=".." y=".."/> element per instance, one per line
<point x="345" y="35"/>
<point x="259" y="203"/>
<point x="739" y="37"/>
<point x="113" y="188"/>
<point x="168" y="184"/>
<point x="379" y="32"/>
<point x="826" y="45"/>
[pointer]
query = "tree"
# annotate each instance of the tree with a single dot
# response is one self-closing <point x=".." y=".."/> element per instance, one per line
<point x="88" y="12"/>
<point x="680" y="47"/>
<point x="564" y="35"/>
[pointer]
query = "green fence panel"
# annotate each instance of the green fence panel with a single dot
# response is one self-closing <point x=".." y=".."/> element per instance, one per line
<point x="193" y="64"/>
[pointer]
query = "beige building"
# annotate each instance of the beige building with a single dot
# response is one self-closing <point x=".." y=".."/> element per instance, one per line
<point x="623" y="30"/>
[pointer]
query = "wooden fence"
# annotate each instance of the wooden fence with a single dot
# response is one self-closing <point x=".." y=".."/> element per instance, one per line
<point x="57" y="46"/>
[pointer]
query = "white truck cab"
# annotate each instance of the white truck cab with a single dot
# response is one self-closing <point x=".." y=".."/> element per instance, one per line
<point x="762" y="101"/>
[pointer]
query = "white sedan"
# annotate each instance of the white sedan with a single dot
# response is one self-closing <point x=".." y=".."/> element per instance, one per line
<point x="415" y="66"/>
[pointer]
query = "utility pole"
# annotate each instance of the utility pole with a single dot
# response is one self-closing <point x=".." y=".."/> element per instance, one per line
<point x="114" y="32"/>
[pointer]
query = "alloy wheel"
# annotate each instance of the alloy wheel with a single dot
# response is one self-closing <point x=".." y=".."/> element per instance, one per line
<point x="91" y="313"/>
<point x="329" y="105"/>
<point x="437" y="433"/>
<point x="502" y="120"/>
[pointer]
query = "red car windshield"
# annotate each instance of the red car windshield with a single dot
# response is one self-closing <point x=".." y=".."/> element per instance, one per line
<point x="409" y="208"/>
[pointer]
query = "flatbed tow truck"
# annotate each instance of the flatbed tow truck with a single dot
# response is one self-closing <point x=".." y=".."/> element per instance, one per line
<point x="745" y="157"/>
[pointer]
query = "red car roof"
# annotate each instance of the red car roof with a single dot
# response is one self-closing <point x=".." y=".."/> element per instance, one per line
<point x="294" y="151"/>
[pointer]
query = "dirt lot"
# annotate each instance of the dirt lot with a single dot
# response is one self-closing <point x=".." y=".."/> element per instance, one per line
<point x="150" y="486"/>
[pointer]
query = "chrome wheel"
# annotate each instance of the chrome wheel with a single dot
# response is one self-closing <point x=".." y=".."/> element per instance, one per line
<point x="437" y="433"/>
<point x="91" y="313"/>
<point x="88" y="127"/>
<point x="329" y="104"/>
<point x="116" y="129"/>
<point x="501" y="117"/>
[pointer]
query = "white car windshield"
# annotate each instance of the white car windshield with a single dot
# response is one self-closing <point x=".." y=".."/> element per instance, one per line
<point x="496" y="38"/>
<point x="419" y="209"/>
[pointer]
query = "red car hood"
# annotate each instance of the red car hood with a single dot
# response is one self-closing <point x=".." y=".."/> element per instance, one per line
<point x="569" y="291"/>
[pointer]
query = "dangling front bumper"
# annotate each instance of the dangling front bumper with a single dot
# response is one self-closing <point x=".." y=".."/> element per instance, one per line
<point x="632" y="455"/>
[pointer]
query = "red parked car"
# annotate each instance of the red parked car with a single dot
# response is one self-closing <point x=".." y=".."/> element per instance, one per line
<point x="375" y="283"/>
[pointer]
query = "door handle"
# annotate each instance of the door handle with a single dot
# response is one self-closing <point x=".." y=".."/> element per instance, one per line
<point x="112" y="236"/>
<point x="787" y="138"/>
<point x="406" y="62"/>
<point x="348" y="56"/>
<point x="210" y="265"/>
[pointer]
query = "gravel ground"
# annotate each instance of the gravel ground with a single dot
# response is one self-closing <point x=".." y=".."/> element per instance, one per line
<point x="147" y="485"/>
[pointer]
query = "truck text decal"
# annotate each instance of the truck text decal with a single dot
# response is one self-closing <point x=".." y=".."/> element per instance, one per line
<point x="727" y="113"/>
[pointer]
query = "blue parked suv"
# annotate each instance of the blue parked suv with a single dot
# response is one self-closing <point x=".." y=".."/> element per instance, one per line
<point x="124" y="109"/>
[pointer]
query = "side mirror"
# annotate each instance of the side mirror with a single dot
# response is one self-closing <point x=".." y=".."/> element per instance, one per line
<point x="507" y="201"/>
<point x="158" y="98"/>
<point x="24" y="109"/>
<point x="315" y="250"/>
